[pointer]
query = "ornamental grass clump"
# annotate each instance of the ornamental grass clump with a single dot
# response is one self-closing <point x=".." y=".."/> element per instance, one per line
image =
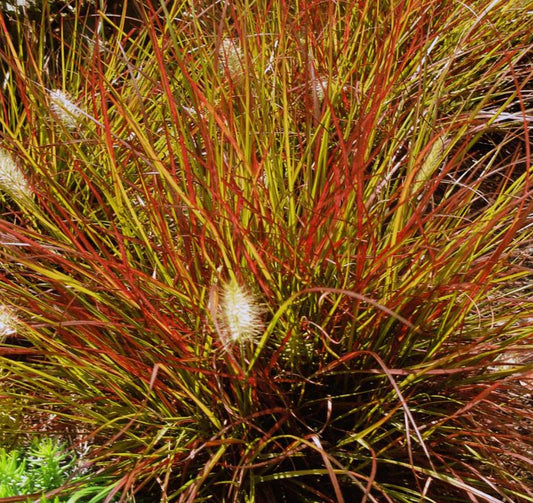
<point x="276" y="294"/>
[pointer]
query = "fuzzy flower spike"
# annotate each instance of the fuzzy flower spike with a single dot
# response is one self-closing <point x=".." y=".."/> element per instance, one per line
<point x="231" y="60"/>
<point x="12" y="179"/>
<point x="64" y="109"/>
<point x="240" y="314"/>
<point x="8" y="323"/>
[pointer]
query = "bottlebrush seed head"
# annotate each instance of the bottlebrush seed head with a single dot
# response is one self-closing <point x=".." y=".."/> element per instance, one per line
<point x="18" y="5"/>
<point x="231" y="59"/>
<point x="240" y="314"/>
<point x="8" y="323"/>
<point x="12" y="179"/>
<point x="64" y="109"/>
